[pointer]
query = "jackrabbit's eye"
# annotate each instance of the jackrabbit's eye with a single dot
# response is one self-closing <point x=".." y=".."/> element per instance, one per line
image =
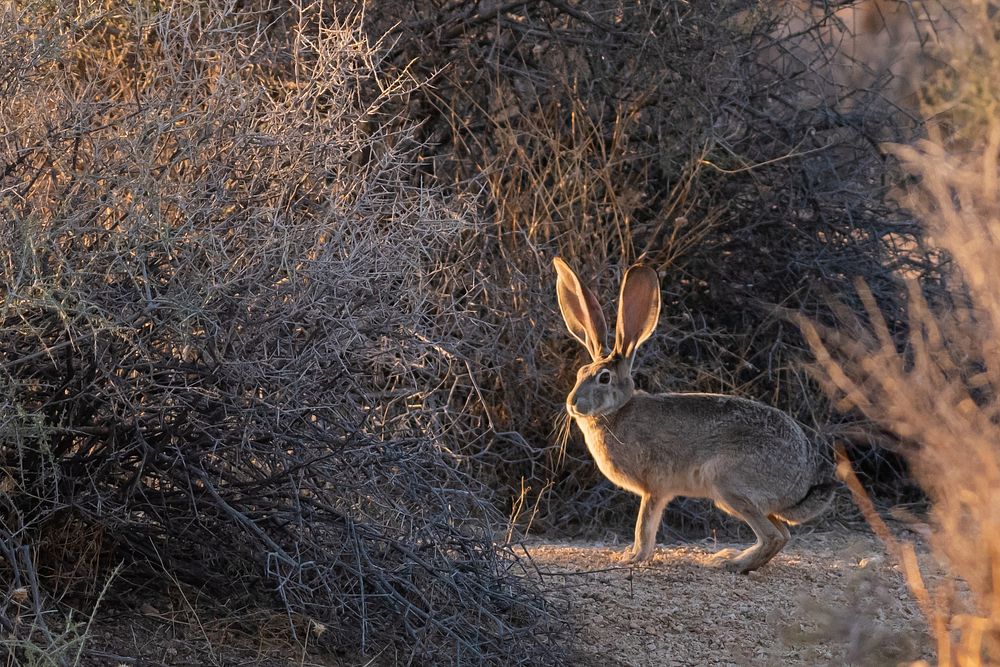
<point x="604" y="377"/>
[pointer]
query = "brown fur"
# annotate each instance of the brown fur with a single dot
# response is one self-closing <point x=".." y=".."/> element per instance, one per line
<point x="753" y="460"/>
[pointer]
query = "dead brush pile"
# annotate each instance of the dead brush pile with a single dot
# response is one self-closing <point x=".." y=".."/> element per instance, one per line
<point x="712" y="138"/>
<point x="225" y="305"/>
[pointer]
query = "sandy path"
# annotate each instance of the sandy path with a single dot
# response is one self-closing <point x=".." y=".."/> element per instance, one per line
<point x="830" y="598"/>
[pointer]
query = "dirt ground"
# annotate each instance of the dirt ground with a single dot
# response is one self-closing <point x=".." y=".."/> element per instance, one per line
<point x="830" y="598"/>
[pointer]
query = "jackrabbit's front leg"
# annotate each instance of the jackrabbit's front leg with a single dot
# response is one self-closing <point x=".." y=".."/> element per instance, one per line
<point x="646" y="526"/>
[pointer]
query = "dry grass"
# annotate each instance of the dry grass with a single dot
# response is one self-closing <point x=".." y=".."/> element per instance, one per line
<point x="938" y="392"/>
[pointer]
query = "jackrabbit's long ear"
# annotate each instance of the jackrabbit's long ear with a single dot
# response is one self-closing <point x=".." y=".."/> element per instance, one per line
<point x="579" y="306"/>
<point x="638" y="309"/>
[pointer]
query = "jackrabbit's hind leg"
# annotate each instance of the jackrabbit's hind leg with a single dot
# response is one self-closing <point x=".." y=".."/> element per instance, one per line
<point x="646" y="526"/>
<point x="770" y="539"/>
<point x="781" y="526"/>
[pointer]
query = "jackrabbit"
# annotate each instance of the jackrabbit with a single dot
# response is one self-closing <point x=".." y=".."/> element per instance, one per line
<point x="753" y="460"/>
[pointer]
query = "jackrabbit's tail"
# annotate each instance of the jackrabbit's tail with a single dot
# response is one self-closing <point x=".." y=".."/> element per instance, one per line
<point x="815" y="502"/>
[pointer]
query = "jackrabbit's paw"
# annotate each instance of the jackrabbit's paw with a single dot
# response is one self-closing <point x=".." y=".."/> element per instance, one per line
<point x="739" y="566"/>
<point x="732" y="560"/>
<point x="723" y="558"/>
<point x="633" y="556"/>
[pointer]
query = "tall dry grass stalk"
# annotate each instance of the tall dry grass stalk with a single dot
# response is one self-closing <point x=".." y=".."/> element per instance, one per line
<point x="940" y="392"/>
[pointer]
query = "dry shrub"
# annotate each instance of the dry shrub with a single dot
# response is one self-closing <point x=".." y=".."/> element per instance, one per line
<point x="608" y="131"/>
<point x="938" y="390"/>
<point x="849" y="55"/>
<point x="228" y="332"/>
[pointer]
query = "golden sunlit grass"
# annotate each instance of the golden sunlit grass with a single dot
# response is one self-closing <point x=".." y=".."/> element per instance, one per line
<point x="940" y="392"/>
